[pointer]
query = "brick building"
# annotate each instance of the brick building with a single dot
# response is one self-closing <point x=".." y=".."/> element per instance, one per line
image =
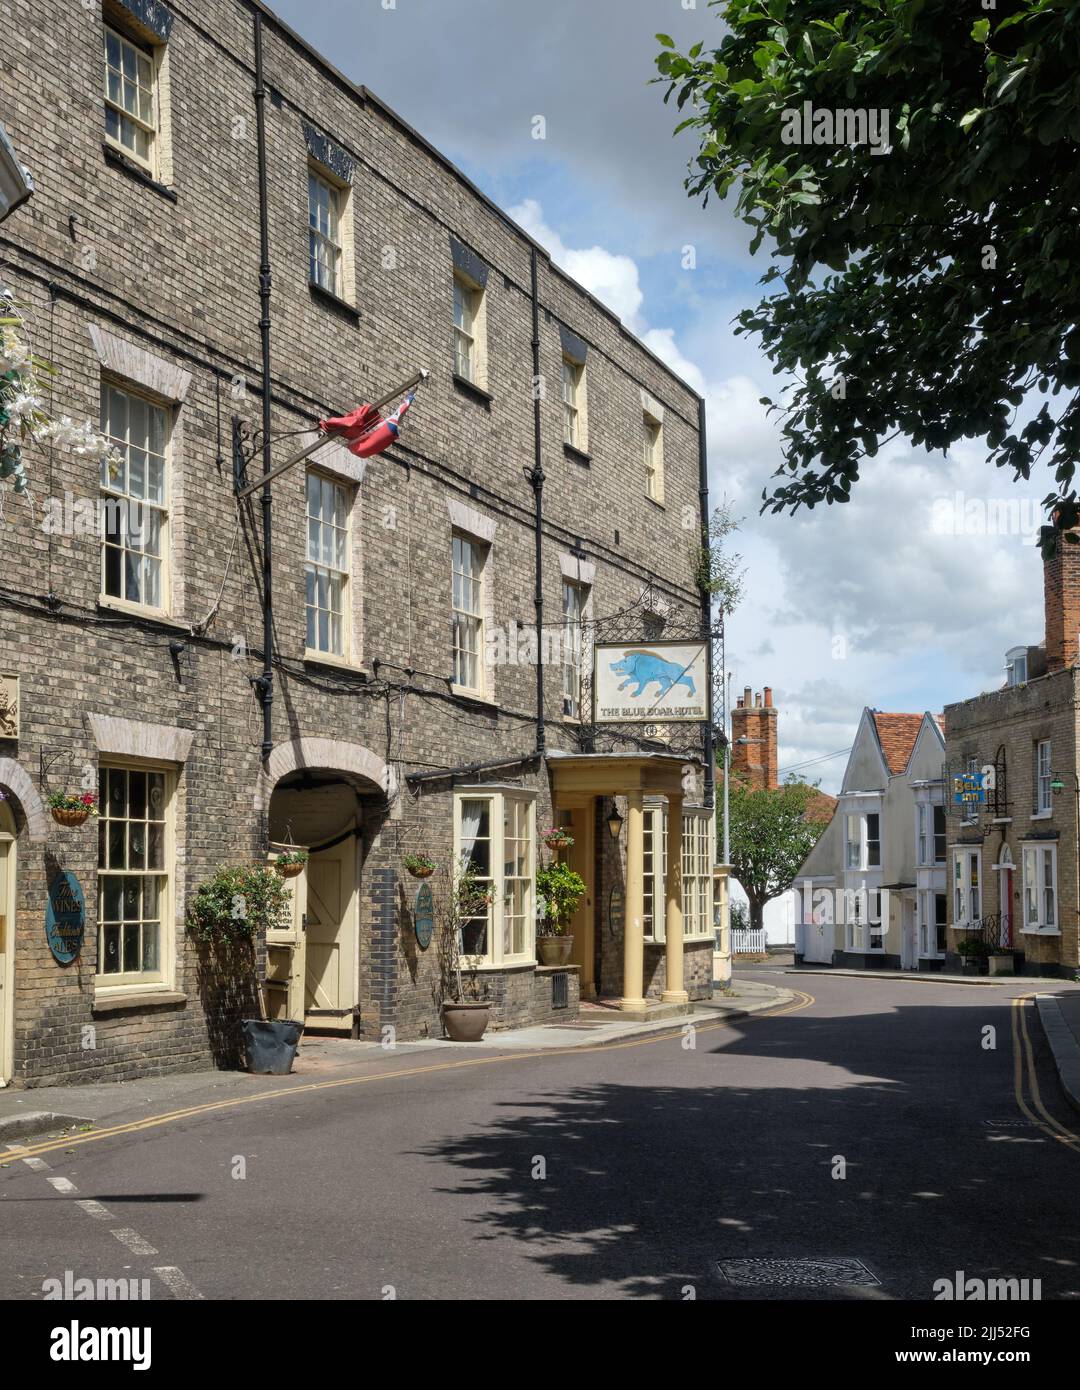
<point x="1012" y="843"/>
<point x="404" y="710"/>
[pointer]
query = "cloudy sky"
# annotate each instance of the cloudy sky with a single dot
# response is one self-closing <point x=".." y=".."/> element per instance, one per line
<point x="900" y="600"/>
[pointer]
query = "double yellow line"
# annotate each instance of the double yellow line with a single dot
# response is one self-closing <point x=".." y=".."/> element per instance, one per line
<point x="1024" y="1061"/>
<point x="70" y="1141"/>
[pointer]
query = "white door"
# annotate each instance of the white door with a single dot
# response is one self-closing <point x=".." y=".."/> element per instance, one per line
<point x="818" y="935"/>
<point x="7" y="938"/>
<point x="285" y="956"/>
<point x="909" y="941"/>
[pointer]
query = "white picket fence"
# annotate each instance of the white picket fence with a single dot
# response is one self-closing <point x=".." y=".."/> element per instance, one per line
<point x="748" y="941"/>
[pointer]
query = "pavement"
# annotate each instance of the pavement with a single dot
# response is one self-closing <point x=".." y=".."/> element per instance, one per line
<point x="1060" y="1018"/>
<point x="59" y="1110"/>
<point x="853" y="1146"/>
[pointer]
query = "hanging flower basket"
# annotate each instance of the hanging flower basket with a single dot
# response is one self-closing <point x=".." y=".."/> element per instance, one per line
<point x="71" y="811"/>
<point x="420" y="865"/>
<point x="557" y="838"/>
<point x="291" y="863"/>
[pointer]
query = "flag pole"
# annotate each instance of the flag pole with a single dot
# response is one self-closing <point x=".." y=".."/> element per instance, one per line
<point x="417" y="380"/>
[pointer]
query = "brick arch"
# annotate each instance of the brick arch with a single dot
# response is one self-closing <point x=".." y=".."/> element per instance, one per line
<point x="16" y="780"/>
<point x="327" y="755"/>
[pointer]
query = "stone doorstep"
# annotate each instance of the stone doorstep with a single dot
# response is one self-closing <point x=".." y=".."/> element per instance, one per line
<point x="36" y="1122"/>
<point x="652" y="1013"/>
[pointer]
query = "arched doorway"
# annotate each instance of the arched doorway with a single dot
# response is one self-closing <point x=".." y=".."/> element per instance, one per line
<point x="7" y="939"/>
<point x="318" y="795"/>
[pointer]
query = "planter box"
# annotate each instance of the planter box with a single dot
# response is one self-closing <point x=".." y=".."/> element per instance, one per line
<point x="270" y="1045"/>
<point x="1002" y="965"/>
<point x="973" y="965"/>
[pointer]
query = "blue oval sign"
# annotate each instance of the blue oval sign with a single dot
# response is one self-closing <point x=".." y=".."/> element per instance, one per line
<point x="65" y="917"/>
<point x="424" y="916"/>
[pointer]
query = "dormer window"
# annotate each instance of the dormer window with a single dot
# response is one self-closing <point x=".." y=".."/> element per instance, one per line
<point x="1016" y="671"/>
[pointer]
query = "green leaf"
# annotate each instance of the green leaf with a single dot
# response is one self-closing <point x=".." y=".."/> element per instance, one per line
<point x="968" y="120"/>
<point x="666" y="40"/>
<point x="808" y="47"/>
<point x="980" y="29"/>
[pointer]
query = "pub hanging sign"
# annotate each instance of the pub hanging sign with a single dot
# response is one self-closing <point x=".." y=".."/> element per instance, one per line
<point x="65" y="917"/>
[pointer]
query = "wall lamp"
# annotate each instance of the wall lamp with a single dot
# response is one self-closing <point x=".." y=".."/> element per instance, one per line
<point x="615" y="822"/>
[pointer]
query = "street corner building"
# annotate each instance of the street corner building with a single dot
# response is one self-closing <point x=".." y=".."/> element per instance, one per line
<point x="490" y="629"/>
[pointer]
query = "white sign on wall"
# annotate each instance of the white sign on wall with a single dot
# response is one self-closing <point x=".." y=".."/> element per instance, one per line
<point x="650" y="682"/>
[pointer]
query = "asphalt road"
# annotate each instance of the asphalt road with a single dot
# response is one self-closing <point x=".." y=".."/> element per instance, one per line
<point x="874" y="1125"/>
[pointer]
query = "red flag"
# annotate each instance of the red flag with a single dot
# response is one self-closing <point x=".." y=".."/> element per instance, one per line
<point x="365" y="432"/>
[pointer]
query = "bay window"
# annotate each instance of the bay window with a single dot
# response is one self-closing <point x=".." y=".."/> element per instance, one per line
<point x="495" y="835"/>
<point x="655" y="871"/>
<point x="697" y="830"/>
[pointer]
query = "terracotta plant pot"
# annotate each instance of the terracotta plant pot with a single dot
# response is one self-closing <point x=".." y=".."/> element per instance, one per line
<point x="69" y="818"/>
<point x="554" y="950"/>
<point x="289" y="870"/>
<point x="465" y="1022"/>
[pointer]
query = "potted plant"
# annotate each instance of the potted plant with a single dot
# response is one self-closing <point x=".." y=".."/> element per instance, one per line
<point x="420" y="865"/>
<point x="556" y="838"/>
<point x="72" y="809"/>
<point x="290" y="862"/>
<point x="465" y="1015"/>
<point x="973" y="953"/>
<point x="1001" y="961"/>
<point x="230" y="913"/>
<point x="560" y="889"/>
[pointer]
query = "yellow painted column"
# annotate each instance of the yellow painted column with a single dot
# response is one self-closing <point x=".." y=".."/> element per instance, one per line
<point x="673" y="922"/>
<point x="634" y="928"/>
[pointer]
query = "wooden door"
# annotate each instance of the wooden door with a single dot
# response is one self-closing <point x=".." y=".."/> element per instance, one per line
<point x="329" y="983"/>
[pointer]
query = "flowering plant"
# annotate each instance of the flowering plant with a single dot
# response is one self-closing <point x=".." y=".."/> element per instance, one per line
<point x="23" y="418"/>
<point x="73" y="801"/>
<point x="555" y="837"/>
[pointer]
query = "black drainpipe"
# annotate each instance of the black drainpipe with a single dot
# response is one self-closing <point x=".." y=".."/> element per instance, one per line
<point x="265" y="683"/>
<point x="706" y="605"/>
<point x="536" y="477"/>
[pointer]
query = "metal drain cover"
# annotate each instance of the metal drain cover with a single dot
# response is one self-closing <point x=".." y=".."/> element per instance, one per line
<point x="803" y="1274"/>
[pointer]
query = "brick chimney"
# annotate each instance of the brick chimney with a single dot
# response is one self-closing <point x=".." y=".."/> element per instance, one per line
<point x="753" y="739"/>
<point x="1061" y="597"/>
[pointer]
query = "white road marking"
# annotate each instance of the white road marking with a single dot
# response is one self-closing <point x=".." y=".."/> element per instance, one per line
<point x="95" y="1209"/>
<point x="134" y="1242"/>
<point x="63" y="1185"/>
<point x="178" y="1284"/>
<point x="38" y="1164"/>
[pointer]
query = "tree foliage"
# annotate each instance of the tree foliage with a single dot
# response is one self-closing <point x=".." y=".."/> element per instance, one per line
<point x="771" y="833"/>
<point x="922" y="290"/>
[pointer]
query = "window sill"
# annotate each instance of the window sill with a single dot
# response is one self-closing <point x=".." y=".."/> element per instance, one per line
<point x="577" y="455"/>
<point x="1040" y="931"/>
<point x="116" y="160"/>
<point x="335" y="663"/>
<point x="485" y="967"/>
<point x="470" y="388"/>
<point x="139" y="610"/>
<point x="149" y="998"/>
<point x="475" y="698"/>
<point x="1043" y="815"/>
<point x="334" y="301"/>
<point x="655" y="501"/>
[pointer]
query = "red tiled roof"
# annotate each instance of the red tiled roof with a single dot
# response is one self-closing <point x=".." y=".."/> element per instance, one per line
<point x="897" y="734"/>
<point x="820" y="807"/>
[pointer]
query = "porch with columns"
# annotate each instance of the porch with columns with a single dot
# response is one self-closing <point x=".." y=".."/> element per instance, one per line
<point x="578" y="780"/>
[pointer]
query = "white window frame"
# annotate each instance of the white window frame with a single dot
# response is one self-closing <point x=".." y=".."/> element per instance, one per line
<point x="654" y="870"/>
<point x="573" y="374"/>
<point x="575" y="602"/>
<point x="496" y="956"/>
<point x="317" y="566"/>
<point x="130" y="982"/>
<point x="1041" y="903"/>
<point x="697" y="883"/>
<point x="144" y="57"/>
<point x="862" y="844"/>
<point x="326" y="244"/>
<point x="653" y="454"/>
<point x="469" y="319"/>
<point x="115" y="492"/>
<point x="926" y="922"/>
<point x="859" y="931"/>
<point x="1016" y="662"/>
<point x="466" y="620"/>
<point x="961" y="887"/>
<point x="1043" y="776"/>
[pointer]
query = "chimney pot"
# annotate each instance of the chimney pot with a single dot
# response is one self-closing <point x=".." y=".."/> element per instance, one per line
<point x="768" y="697"/>
<point x="747" y="692"/>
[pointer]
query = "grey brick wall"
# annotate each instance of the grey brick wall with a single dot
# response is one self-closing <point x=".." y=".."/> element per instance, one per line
<point x="177" y="277"/>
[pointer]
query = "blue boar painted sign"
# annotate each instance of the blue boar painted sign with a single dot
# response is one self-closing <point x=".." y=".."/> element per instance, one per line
<point x="665" y="682"/>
